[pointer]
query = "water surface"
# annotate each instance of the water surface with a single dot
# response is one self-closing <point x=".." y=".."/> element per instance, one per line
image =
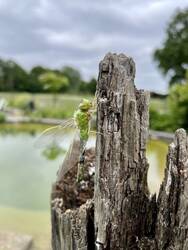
<point x="26" y="176"/>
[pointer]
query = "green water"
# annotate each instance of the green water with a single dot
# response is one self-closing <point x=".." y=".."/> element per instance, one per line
<point x="26" y="176"/>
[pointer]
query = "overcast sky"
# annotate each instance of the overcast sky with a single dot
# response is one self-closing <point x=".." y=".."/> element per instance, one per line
<point x="79" y="33"/>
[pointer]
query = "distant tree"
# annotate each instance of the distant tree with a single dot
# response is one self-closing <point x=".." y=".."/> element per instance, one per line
<point x="13" y="76"/>
<point x="92" y="85"/>
<point x="74" y="77"/>
<point x="88" y="87"/>
<point x="172" y="58"/>
<point x="38" y="70"/>
<point x="53" y="83"/>
<point x="34" y="84"/>
<point x="2" y="85"/>
<point x="40" y="79"/>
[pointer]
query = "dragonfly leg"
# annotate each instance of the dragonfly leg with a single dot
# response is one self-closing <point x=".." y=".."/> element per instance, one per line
<point x="82" y="150"/>
<point x="80" y="173"/>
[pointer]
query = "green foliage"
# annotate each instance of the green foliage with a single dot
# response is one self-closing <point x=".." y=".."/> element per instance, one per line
<point x="12" y="76"/>
<point x="73" y="76"/>
<point x="88" y="87"/>
<point x="2" y="117"/>
<point x="172" y="58"/>
<point x="53" y="82"/>
<point x="34" y="83"/>
<point x="176" y="114"/>
<point x="159" y="121"/>
<point x="178" y="105"/>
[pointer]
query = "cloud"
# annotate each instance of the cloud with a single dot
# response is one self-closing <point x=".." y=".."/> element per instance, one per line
<point x="79" y="33"/>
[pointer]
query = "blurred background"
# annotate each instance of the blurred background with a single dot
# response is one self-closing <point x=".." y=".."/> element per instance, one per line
<point x="49" y="56"/>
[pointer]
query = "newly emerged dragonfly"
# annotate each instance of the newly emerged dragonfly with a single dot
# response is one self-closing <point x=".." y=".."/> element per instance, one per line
<point x="81" y="121"/>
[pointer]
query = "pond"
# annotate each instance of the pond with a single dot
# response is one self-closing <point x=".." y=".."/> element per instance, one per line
<point x="27" y="173"/>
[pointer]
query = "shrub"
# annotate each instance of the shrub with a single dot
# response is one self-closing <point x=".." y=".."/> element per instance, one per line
<point x="178" y="105"/>
<point x="159" y="121"/>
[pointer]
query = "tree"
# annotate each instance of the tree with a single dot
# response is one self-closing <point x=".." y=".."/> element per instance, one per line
<point x="178" y="105"/>
<point x="88" y="87"/>
<point x="92" y="86"/>
<point x="34" y="84"/>
<point x="38" y="70"/>
<point x="13" y="76"/>
<point x="53" y="83"/>
<point x="172" y="58"/>
<point x="74" y="77"/>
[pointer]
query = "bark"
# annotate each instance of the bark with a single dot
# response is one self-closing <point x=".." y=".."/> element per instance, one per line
<point x="122" y="215"/>
<point x="72" y="228"/>
<point x="121" y="192"/>
<point x="71" y="204"/>
<point x="172" y="218"/>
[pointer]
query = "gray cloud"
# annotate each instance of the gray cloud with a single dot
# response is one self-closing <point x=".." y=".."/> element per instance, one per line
<point x="79" y="33"/>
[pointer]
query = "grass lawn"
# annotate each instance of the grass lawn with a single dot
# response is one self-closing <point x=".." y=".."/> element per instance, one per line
<point x="46" y="105"/>
<point x="59" y="105"/>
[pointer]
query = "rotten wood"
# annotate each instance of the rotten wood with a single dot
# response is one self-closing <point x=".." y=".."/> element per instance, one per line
<point x="72" y="204"/>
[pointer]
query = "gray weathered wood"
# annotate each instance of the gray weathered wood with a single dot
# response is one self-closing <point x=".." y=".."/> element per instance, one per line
<point x="71" y="204"/>
<point x="121" y="192"/>
<point x="72" y="228"/>
<point x="172" y="218"/>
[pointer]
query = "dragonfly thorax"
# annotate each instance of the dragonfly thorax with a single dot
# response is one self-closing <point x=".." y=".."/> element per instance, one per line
<point x="82" y="119"/>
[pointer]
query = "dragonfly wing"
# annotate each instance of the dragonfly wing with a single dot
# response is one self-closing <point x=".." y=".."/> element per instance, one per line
<point x="71" y="158"/>
<point x="54" y="135"/>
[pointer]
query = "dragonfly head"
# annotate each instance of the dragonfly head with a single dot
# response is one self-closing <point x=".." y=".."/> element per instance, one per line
<point x="85" y="105"/>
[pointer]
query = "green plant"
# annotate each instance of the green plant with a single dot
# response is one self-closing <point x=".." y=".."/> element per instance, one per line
<point x="178" y="105"/>
<point x="159" y="121"/>
<point x="172" y="57"/>
<point x="53" y="82"/>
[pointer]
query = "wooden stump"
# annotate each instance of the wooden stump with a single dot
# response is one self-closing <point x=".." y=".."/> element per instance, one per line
<point x="122" y="215"/>
<point x="72" y="209"/>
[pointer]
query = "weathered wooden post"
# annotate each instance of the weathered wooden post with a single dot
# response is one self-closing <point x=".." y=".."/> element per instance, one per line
<point x="71" y="207"/>
<point x="121" y="192"/>
<point x="125" y="216"/>
<point x="122" y="215"/>
<point x="172" y="217"/>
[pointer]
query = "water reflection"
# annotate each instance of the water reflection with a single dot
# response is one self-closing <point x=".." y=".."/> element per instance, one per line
<point x="53" y="152"/>
<point x="27" y="173"/>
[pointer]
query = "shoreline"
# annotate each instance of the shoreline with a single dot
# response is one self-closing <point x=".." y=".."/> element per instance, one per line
<point x="153" y="134"/>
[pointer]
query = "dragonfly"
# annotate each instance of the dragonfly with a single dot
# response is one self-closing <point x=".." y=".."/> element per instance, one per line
<point x="81" y="120"/>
